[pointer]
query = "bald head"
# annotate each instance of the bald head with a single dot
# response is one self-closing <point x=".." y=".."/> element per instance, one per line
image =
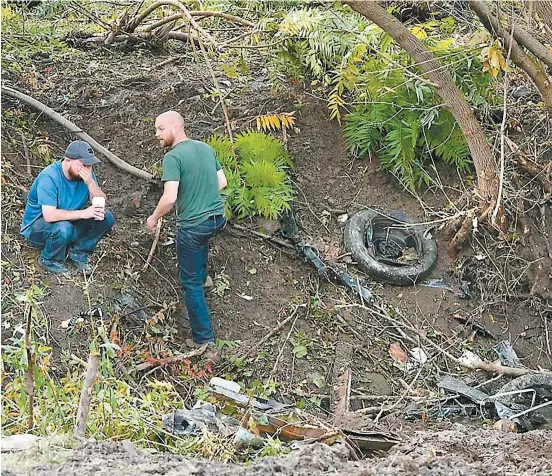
<point x="169" y="128"/>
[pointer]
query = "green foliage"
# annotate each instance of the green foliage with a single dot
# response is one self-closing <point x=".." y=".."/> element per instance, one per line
<point x="390" y="109"/>
<point x="255" y="167"/>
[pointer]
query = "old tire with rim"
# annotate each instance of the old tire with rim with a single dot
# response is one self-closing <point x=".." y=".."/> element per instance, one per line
<point x="388" y="246"/>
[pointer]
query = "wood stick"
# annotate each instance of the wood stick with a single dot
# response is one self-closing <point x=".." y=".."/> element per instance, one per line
<point x="171" y="360"/>
<point x="120" y="163"/>
<point x="154" y="244"/>
<point x="86" y="392"/>
<point x="29" y="374"/>
<point x="277" y="329"/>
<point x="26" y="151"/>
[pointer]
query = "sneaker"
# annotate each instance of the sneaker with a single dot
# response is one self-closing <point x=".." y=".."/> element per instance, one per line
<point x="211" y="354"/>
<point x="56" y="267"/>
<point x="209" y="284"/>
<point x="82" y="266"/>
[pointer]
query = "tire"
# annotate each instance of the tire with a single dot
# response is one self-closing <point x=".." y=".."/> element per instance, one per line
<point x="377" y="244"/>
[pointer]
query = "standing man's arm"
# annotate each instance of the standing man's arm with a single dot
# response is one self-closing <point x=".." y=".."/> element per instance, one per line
<point x="166" y="202"/>
<point x="221" y="178"/>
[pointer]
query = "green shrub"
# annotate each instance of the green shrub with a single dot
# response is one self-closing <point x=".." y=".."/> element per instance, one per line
<point x="255" y="167"/>
<point x="391" y="110"/>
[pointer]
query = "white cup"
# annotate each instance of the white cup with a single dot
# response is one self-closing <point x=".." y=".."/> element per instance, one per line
<point x="99" y="202"/>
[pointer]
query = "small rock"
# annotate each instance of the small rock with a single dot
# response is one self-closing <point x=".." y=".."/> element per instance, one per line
<point x="18" y="442"/>
<point x="342" y="218"/>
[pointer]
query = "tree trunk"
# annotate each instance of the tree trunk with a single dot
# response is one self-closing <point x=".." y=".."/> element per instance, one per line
<point x="454" y="100"/>
<point x="534" y="70"/>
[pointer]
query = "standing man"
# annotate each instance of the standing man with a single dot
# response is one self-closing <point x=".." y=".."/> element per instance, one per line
<point x="192" y="179"/>
<point x="56" y="220"/>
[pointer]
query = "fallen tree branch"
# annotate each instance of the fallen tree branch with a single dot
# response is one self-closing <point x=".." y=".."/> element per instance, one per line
<point x="171" y="360"/>
<point x="201" y="14"/>
<point x="120" y="163"/>
<point x="185" y="13"/>
<point x="154" y="244"/>
<point x="86" y="392"/>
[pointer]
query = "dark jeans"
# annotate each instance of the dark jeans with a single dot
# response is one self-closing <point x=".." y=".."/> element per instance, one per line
<point x="76" y="239"/>
<point x="192" y="247"/>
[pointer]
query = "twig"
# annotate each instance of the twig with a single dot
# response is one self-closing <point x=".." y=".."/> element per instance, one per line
<point x="86" y="392"/>
<point x="217" y="87"/>
<point x="282" y="347"/>
<point x="274" y="331"/>
<point x="488" y="367"/>
<point x="26" y="151"/>
<point x="503" y="134"/>
<point x="29" y="374"/>
<point x="171" y="360"/>
<point x="396" y="404"/>
<point x="154" y="244"/>
<point x="120" y="163"/>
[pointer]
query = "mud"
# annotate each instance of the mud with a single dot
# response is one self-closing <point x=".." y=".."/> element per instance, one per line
<point x="458" y="451"/>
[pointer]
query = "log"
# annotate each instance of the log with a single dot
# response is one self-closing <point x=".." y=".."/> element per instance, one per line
<point x="120" y="163"/>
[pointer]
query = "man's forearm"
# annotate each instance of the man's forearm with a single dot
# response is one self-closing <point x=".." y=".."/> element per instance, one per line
<point x="163" y="207"/>
<point x="62" y="215"/>
<point x="95" y="190"/>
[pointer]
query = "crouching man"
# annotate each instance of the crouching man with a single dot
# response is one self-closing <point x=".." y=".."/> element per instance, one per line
<point x="57" y="220"/>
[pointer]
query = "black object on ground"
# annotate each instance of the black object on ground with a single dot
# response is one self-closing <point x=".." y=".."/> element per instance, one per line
<point x="290" y="230"/>
<point x="389" y="246"/>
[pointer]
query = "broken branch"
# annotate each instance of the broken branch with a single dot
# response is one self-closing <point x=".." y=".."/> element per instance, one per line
<point x="86" y="392"/>
<point x="171" y="360"/>
<point x="120" y="163"/>
<point x="154" y="244"/>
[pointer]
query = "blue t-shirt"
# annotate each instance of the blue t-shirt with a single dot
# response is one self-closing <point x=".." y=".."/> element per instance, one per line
<point x="52" y="188"/>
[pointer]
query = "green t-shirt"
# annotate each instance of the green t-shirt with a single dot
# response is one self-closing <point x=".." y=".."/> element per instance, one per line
<point x="194" y="165"/>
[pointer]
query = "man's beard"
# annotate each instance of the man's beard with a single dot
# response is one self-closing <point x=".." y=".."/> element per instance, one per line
<point x="74" y="177"/>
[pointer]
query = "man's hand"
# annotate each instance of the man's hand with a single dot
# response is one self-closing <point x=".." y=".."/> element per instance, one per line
<point x="85" y="173"/>
<point x="151" y="223"/>
<point x="98" y="213"/>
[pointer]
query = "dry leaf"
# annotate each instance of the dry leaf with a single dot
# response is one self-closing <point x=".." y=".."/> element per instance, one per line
<point x="397" y="353"/>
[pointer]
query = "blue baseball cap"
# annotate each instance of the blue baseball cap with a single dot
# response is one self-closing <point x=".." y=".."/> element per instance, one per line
<point x="80" y="150"/>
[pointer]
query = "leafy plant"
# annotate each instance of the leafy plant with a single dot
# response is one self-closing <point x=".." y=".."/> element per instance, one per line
<point x="374" y="87"/>
<point x="255" y="167"/>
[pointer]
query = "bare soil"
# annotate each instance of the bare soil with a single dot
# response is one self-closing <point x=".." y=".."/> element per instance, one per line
<point x="458" y="450"/>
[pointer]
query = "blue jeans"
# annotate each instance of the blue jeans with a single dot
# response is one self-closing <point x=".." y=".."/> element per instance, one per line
<point x="192" y="248"/>
<point x="76" y="239"/>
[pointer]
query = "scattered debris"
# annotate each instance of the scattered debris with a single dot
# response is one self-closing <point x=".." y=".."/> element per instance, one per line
<point x="254" y="417"/>
<point x="507" y="354"/>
